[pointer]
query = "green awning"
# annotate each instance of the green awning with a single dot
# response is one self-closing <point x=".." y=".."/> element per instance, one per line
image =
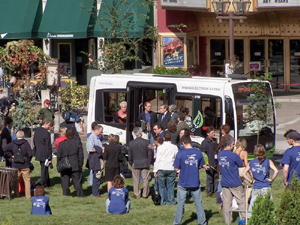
<point x="132" y="16"/>
<point x="67" y="19"/>
<point x="20" y="19"/>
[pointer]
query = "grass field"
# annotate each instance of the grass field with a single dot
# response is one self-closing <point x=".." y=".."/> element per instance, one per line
<point x="91" y="210"/>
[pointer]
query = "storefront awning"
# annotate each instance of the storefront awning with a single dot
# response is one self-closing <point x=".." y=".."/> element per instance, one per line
<point x="20" y="19"/>
<point x="66" y="19"/>
<point x="132" y="27"/>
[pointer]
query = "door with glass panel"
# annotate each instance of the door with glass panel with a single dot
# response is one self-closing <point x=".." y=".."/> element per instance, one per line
<point x="295" y="64"/>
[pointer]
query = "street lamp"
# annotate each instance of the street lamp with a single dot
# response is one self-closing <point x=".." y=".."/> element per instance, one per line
<point x="240" y="7"/>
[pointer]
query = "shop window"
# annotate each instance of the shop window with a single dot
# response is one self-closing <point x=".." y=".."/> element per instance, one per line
<point x="111" y="102"/>
<point x="64" y="56"/>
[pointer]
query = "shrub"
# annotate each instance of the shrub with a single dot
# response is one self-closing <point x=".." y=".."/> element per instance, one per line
<point x="263" y="211"/>
<point x="289" y="208"/>
<point x="74" y="96"/>
<point x="172" y="71"/>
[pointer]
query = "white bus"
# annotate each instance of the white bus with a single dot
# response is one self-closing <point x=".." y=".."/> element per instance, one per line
<point x="225" y="97"/>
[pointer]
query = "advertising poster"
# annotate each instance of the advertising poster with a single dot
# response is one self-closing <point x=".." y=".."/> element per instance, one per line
<point x="173" y="51"/>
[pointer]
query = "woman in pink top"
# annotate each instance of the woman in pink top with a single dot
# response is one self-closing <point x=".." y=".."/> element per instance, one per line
<point x="122" y="113"/>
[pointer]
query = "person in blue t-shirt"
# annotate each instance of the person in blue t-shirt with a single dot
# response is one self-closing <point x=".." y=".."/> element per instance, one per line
<point x="259" y="169"/>
<point x="117" y="202"/>
<point x="229" y="163"/>
<point x="40" y="203"/>
<point x="291" y="157"/>
<point x="189" y="161"/>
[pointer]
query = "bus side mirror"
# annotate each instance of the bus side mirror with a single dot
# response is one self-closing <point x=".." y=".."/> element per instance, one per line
<point x="228" y="105"/>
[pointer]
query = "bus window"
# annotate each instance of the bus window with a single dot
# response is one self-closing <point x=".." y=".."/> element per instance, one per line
<point x="185" y="105"/>
<point x="111" y="102"/>
<point x="212" y="111"/>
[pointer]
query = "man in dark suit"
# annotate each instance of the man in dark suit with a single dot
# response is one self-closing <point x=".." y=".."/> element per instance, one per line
<point x="164" y="116"/>
<point x="43" y="149"/>
<point x="140" y="157"/>
<point x="150" y="117"/>
<point x="158" y="130"/>
<point x="173" y="112"/>
<point x="6" y="138"/>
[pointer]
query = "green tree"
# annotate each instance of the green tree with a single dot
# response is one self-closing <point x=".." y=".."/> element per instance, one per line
<point x="263" y="211"/>
<point x="289" y="208"/>
<point x="172" y="71"/>
<point x="260" y="107"/>
<point x="118" y="23"/>
<point x="25" y="112"/>
<point x="19" y="57"/>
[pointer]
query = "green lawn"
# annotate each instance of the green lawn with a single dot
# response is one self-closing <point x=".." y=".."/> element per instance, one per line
<point x="91" y="210"/>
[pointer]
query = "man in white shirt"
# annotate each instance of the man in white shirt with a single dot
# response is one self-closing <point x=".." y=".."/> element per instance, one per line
<point x="164" y="170"/>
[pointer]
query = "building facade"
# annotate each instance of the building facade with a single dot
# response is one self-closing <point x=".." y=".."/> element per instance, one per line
<point x="268" y="37"/>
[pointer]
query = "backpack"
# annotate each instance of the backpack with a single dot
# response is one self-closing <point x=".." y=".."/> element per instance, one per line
<point x="19" y="157"/>
<point x="155" y="193"/>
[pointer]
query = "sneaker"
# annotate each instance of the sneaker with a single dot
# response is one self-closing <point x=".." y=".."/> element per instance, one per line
<point x="54" y="155"/>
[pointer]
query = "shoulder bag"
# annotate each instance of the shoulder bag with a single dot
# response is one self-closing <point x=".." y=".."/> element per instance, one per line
<point x="64" y="164"/>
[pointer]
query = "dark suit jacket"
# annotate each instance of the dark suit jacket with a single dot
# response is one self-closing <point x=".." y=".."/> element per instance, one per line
<point x="42" y="144"/>
<point x="153" y="118"/>
<point x="165" y="121"/>
<point x="210" y="148"/>
<point x="139" y="154"/>
<point x="94" y="159"/>
<point x="73" y="149"/>
<point x="174" y="117"/>
<point x="182" y="125"/>
<point x="112" y="155"/>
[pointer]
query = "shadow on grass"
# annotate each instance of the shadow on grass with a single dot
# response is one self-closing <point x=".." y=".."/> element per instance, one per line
<point x="208" y="214"/>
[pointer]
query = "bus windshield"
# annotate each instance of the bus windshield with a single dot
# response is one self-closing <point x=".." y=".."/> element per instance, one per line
<point x="248" y="125"/>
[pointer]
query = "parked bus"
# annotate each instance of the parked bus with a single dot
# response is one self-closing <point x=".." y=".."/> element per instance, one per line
<point x="210" y="102"/>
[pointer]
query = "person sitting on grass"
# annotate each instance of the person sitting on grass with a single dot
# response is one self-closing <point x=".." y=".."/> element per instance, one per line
<point x="259" y="170"/>
<point x="118" y="201"/>
<point x="40" y="203"/>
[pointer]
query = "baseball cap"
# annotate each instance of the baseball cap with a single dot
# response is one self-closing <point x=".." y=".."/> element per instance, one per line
<point x="294" y="135"/>
<point x="47" y="101"/>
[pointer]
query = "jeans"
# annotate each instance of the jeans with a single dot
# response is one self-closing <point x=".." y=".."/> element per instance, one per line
<point x="107" y="202"/>
<point x="212" y="178"/>
<point x="166" y="177"/>
<point x="255" y="193"/>
<point x="151" y="139"/>
<point x="181" y="197"/>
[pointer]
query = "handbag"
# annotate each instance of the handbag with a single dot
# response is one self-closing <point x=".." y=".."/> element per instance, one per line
<point x="64" y="164"/>
<point x="19" y="157"/>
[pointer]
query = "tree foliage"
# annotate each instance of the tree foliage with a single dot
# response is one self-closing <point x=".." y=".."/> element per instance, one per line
<point x="19" y="56"/>
<point x="263" y="211"/>
<point x="260" y="107"/>
<point x="74" y="96"/>
<point x="25" y="112"/>
<point x="289" y="208"/>
<point x="118" y="24"/>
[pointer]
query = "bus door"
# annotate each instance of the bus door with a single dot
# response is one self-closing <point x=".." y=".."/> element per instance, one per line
<point x="140" y="92"/>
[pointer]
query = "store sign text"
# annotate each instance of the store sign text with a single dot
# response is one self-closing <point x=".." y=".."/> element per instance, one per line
<point x="278" y="3"/>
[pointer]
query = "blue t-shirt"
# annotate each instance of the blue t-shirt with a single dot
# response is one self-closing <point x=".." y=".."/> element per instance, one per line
<point x="188" y="161"/>
<point x="291" y="157"/>
<point x="229" y="163"/>
<point x="118" y="199"/>
<point x="260" y="173"/>
<point x="40" y="205"/>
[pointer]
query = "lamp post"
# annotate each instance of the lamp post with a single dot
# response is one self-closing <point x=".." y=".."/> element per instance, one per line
<point x="240" y="7"/>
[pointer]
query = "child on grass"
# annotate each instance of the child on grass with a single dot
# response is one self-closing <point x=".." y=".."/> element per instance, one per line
<point x="40" y="203"/>
<point x="118" y="202"/>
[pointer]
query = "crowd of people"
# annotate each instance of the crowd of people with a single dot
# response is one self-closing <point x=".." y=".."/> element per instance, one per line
<point x="163" y="142"/>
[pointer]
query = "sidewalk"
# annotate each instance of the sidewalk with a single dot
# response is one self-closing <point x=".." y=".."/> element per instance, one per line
<point x="287" y="117"/>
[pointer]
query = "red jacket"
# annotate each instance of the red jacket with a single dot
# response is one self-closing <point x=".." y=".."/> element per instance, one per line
<point x="58" y="140"/>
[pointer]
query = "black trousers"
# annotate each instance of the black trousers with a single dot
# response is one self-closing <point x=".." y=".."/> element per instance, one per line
<point x="96" y="184"/>
<point x="212" y="178"/>
<point x="76" y="178"/>
<point x="45" y="180"/>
